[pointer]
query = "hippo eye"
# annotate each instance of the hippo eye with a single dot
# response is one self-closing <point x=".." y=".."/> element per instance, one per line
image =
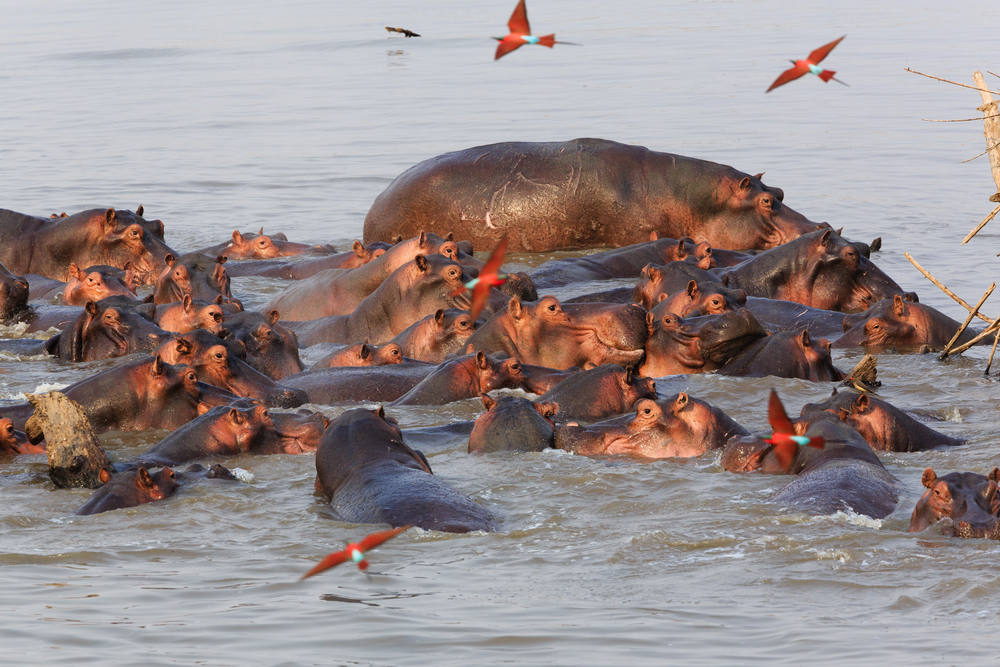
<point x="135" y="232"/>
<point x="647" y="411"/>
<point x="766" y="200"/>
<point x="262" y="243"/>
<point x="552" y="308"/>
<point x="515" y="367"/>
<point x="218" y="355"/>
<point x="192" y="377"/>
<point x="9" y="429"/>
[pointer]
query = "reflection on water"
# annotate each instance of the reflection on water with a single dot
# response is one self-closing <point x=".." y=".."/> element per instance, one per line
<point x="236" y="116"/>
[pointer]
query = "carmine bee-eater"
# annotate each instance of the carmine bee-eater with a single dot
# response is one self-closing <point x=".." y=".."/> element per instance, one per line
<point x="786" y="443"/>
<point x="520" y="34"/>
<point x="489" y="277"/>
<point x="809" y="65"/>
<point x="355" y="552"/>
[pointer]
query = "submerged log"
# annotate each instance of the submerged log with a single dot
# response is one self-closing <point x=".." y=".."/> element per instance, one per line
<point x="76" y="457"/>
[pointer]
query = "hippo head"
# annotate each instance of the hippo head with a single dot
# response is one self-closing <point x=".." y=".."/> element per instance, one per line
<point x="16" y="442"/>
<point x="898" y="322"/>
<point x="240" y="428"/>
<point x="365" y="253"/>
<point x="512" y="423"/>
<point x="497" y="373"/>
<point x="792" y="354"/>
<point x="837" y="276"/>
<point x="271" y="348"/>
<point x="261" y="246"/>
<point x="445" y="332"/>
<point x="971" y="501"/>
<point x="295" y="433"/>
<point x="651" y="288"/>
<point x="429" y="282"/>
<point x="363" y="354"/>
<point x="757" y="216"/>
<point x="704" y="299"/>
<point x="195" y="275"/>
<point x="13" y="293"/>
<point x="189" y="315"/>
<point x="98" y="282"/>
<point x="698" y="344"/>
<point x="129" y="489"/>
<point x="126" y="238"/>
<point x="105" y="329"/>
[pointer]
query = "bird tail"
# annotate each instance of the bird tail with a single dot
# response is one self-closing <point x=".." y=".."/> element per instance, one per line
<point x="548" y="40"/>
<point x="826" y="75"/>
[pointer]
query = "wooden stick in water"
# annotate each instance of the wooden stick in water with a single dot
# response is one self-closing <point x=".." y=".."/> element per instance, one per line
<point x="965" y="325"/>
<point x="943" y="288"/>
<point x="993" y="328"/>
<point x="980" y="225"/>
<point x="996" y="339"/>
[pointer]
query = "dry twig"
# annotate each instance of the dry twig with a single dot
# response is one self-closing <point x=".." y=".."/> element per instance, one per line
<point x="943" y="288"/>
<point x="965" y="325"/>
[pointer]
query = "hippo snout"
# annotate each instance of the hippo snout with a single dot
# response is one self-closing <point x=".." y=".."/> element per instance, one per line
<point x="287" y="398"/>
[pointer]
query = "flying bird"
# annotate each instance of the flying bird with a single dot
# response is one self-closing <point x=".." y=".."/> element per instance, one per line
<point x="809" y="65"/>
<point x="786" y="443"/>
<point x="489" y="276"/>
<point x="520" y="34"/>
<point x="355" y="552"/>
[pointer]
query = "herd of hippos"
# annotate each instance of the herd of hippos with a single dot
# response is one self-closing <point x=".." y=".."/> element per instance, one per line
<point x="729" y="280"/>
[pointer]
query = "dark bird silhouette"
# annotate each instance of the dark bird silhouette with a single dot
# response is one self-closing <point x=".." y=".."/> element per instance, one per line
<point x="489" y="276"/>
<point x="355" y="552"/>
<point x="809" y="65"/>
<point x="783" y="437"/>
<point x="408" y="33"/>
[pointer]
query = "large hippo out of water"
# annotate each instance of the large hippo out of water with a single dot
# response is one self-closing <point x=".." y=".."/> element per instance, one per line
<point x="582" y="193"/>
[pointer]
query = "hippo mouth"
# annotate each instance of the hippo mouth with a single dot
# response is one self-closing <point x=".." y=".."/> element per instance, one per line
<point x="730" y="334"/>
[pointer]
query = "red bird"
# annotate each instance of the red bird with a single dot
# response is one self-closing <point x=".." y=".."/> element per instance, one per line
<point x="520" y="34"/>
<point x="786" y="443"/>
<point x="808" y="65"/>
<point x="488" y="278"/>
<point x="355" y="552"/>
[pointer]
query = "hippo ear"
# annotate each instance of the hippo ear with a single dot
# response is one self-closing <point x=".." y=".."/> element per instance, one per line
<point x="745" y="183"/>
<point x="261" y="232"/>
<point x="628" y="375"/>
<point x="439" y="316"/>
<point x="692" y="289"/>
<point x="183" y="346"/>
<point x="104" y="476"/>
<point x="186" y="303"/>
<point x="397" y="239"/>
<point x="928" y="478"/>
<point x="109" y="218"/>
<point x="487" y="400"/>
<point x="682" y="400"/>
<point x="654" y="235"/>
<point x="358" y="249"/>
<point x="662" y="297"/>
<point x="272" y="317"/>
<point x="650" y="321"/>
<point x="805" y="338"/>
<point x="169" y="259"/>
<point x="861" y="403"/>
<point x="380" y="413"/>
<point x="92" y="308"/>
<point x="74" y="271"/>
<point x="759" y="177"/>
<point x="482" y="361"/>
<point x="422" y="239"/>
<point x="157" y="366"/>
<point x="898" y="306"/>
<point x="144" y="479"/>
<point x="139" y="211"/>
<point x="515" y="308"/>
<point x="365" y="351"/>
<point x="236" y="417"/>
<point x="221" y="259"/>
<point x="450" y="236"/>
<point x="995" y="475"/>
<point x="547" y="409"/>
<point x="834" y="392"/>
<point x="843" y="415"/>
<point x="238" y="238"/>
<point x="827" y="236"/>
<point x="421" y="263"/>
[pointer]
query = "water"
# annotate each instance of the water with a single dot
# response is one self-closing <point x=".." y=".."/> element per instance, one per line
<point x="228" y="115"/>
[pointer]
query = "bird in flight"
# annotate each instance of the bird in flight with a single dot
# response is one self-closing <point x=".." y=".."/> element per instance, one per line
<point x="809" y="65"/>
<point x="489" y="276"/>
<point x="355" y="552"/>
<point x="783" y="438"/>
<point x="520" y="34"/>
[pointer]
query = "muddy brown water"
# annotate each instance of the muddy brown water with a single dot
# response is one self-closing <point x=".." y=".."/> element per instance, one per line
<point x="295" y="116"/>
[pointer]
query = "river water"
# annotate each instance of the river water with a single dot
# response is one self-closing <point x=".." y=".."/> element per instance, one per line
<point x="294" y="116"/>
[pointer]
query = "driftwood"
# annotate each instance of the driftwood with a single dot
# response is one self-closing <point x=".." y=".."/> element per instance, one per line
<point x="943" y="288"/>
<point x="965" y="325"/>
<point x="76" y="458"/>
<point x="864" y="376"/>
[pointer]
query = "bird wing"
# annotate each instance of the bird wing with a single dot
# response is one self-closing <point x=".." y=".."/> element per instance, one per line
<point x="492" y="266"/>
<point x="518" y="22"/>
<point x="776" y="415"/>
<point x="822" y="52"/>
<point x="480" y="294"/>
<point x="332" y="560"/>
<point x="506" y="46"/>
<point x="788" y="75"/>
<point x="376" y="539"/>
<point x="784" y="452"/>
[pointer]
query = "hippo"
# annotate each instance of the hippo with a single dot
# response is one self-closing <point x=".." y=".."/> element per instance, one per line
<point x="137" y="395"/>
<point x="845" y="475"/>
<point x="13" y="294"/>
<point x="371" y="475"/>
<point x="884" y="426"/>
<point x="215" y="365"/>
<point x="339" y="291"/>
<point x="47" y="246"/>
<point x="820" y="269"/>
<point x="106" y="329"/>
<point x="624" y="262"/>
<point x="348" y="384"/>
<point x="229" y="430"/>
<point x="599" y="392"/>
<point x="91" y="284"/>
<point x="188" y="315"/>
<point x="362" y="354"/>
<point x="790" y="316"/>
<point x="967" y="504"/>
<point x="129" y="489"/>
<point x="270" y="348"/>
<point x="706" y="299"/>
<point x="466" y="377"/>
<point x="902" y="325"/>
<point x="790" y="354"/>
<point x="697" y="344"/>
<point x="413" y="291"/>
<point x="513" y="424"/>
<point x="680" y="426"/>
<point x="299" y="270"/>
<point x="436" y="336"/>
<point x="14" y="442"/>
<point x="580" y="194"/>
<point x="549" y="334"/>
<point x="195" y="275"/>
<point x="249" y="245"/>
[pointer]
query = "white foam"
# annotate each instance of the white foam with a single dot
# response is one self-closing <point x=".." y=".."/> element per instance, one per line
<point x="243" y="475"/>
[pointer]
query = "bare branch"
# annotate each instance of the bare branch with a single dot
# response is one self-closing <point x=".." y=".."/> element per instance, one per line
<point x="982" y="154"/>
<point x="956" y="83"/>
<point x="960" y="120"/>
